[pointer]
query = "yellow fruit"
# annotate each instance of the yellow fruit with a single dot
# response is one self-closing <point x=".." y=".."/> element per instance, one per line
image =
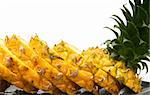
<point x="62" y="68"/>
<point x="71" y="69"/>
<point x="80" y="77"/>
<point x="87" y="63"/>
<point x="106" y="81"/>
<point x="116" y="68"/>
<point x="16" y="66"/>
<point x="38" y="64"/>
<point x="12" y="78"/>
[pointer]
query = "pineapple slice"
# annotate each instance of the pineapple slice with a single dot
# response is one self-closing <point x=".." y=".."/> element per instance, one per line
<point x="80" y="77"/>
<point x="41" y="66"/>
<point x="55" y="59"/>
<point x="12" y="78"/>
<point x="117" y="69"/>
<point x="21" y="70"/>
<point x="100" y="76"/>
<point x="68" y="53"/>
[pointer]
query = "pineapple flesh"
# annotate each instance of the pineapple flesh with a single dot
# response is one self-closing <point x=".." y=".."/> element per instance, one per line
<point x="76" y="75"/>
<point x="108" y="82"/>
<point x="41" y="66"/>
<point x="18" y="67"/>
<point x="12" y="78"/>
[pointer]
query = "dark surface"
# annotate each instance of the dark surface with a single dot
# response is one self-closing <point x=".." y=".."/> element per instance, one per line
<point x="102" y="91"/>
<point x="3" y="85"/>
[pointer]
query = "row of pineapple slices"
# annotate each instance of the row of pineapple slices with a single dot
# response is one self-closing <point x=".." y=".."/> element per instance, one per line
<point x="62" y="68"/>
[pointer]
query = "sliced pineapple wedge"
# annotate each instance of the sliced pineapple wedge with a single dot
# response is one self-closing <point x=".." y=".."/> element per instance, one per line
<point x="82" y="78"/>
<point x="22" y="70"/>
<point x="12" y="78"/>
<point x="38" y="64"/>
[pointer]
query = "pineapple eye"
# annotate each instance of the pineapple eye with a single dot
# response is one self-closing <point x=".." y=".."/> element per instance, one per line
<point x="52" y="57"/>
<point x="91" y="77"/>
<point x="58" y="66"/>
<point x="42" y="71"/>
<point x="59" y="76"/>
<point x="100" y="80"/>
<point x="9" y="61"/>
<point x="35" y="59"/>
<point x="49" y="86"/>
<point x="74" y="73"/>
<point x="22" y="49"/>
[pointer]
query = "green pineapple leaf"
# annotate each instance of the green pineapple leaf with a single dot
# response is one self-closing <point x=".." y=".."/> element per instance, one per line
<point x="119" y="19"/>
<point x="132" y="44"/>
<point x="113" y="31"/>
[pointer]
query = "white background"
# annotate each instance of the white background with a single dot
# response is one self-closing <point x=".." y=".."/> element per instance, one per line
<point x="79" y="22"/>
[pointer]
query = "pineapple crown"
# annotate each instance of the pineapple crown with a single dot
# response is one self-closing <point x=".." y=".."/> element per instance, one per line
<point x="132" y="45"/>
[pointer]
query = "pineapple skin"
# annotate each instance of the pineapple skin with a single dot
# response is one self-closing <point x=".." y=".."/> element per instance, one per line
<point x="116" y="68"/>
<point x="19" y="68"/>
<point x="80" y="77"/>
<point x="41" y="66"/>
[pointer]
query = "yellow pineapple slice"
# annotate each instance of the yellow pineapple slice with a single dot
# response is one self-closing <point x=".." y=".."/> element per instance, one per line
<point x="22" y="70"/>
<point x="68" y="53"/>
<point x="12" y="78"/>
<point x="44" y="51"/>
<point x="117" y="69"/>
<point x="99" y="75"/>
<point x="82" y="78"/>
<point x="41" y="66"/>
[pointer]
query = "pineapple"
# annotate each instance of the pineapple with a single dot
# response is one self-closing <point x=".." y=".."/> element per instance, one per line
<point x="76" y="75"/>
<point x="101" y="77"/>
<point x="12" y="78"/>
<point x="64" y="67"/>
<point x="116" y="68"/>
<point x="131" y="45"/>
<point x="22" y="70"/>
<point x="97" y="58"/>
<point x="42" y="67"/>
